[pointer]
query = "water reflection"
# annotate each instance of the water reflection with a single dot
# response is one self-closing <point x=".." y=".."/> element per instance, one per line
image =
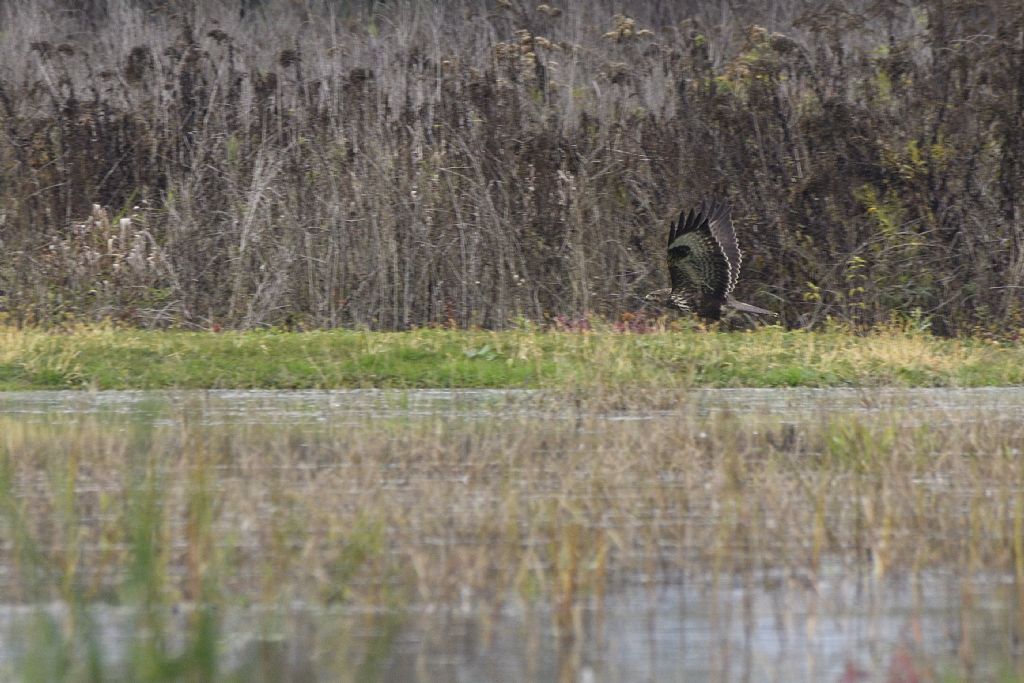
<point x="744" y="629"/>
<point x="693" y="631"/>
<point x="833" y="619"/>
<point x="310" y="406"/>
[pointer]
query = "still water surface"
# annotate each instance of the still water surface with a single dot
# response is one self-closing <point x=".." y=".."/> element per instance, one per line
<point x="841" y="624"/>
<point x="359" y="405"/>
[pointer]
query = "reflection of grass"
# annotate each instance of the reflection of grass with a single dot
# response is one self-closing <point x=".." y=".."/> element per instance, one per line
<point x="105" y="358"/>
<point x="140" y="537"/>
<point x="446" y="512"/>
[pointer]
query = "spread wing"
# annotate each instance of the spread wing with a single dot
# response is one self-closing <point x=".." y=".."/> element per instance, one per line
<point x="721" y="228"/>
<point x="697" y="261"/>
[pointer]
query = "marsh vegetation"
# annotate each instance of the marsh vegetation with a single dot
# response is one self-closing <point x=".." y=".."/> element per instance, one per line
<point x="495" y="535"/>
<point x="397" y="164"/>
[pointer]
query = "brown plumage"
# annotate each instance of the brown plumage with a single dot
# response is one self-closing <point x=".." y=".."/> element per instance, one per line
<point x="704" y="263"/>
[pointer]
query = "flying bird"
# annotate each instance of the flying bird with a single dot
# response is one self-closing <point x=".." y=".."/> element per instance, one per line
<point x="703" y="264"/>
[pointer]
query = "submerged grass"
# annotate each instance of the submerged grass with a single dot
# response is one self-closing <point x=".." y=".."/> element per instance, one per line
<point x="108" y="358"/>
<point x="178" y="521"/>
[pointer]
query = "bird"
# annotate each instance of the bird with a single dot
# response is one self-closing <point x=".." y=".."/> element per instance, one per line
<point x="704" y="264"/>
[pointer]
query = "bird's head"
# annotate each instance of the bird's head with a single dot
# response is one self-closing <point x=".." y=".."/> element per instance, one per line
<point x="660" y="296"/>
<point x="669" y="299"/>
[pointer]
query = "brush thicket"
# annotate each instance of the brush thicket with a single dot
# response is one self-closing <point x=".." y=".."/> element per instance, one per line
<point x="407" y="163"/>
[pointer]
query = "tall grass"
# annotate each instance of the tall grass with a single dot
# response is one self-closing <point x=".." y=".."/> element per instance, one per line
<point x="392" y="164"/>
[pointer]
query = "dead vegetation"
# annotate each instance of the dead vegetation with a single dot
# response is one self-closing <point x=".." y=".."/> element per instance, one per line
<point x="400" y="164"/>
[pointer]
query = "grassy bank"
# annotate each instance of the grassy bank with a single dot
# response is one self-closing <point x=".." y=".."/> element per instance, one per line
<point x="106" y="358"/>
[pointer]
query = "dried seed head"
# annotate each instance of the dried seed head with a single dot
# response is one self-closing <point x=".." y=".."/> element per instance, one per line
<point x="625" y="29"/>
<point x="265" y="84"/>
<point x="360" y="74"/>
<point x="219" y="35"/>
<point x="288" y="57"/>
<point x="99" y="215"/>
<point x="140" y="60"/>
<point x="43" y="47"/>
<point x="617" y="72"/>
<point x="783" y="44"/>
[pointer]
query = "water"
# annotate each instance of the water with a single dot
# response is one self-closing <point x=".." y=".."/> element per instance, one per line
<point x="356" y="405"/>
<point x="841" y="621"/>
<point x="678" y="632"/>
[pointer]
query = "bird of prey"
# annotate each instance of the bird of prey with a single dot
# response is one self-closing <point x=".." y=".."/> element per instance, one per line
<point x="704" y="264"/>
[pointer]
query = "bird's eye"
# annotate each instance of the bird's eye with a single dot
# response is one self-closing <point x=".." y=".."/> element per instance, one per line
<point x="682" y="250"/>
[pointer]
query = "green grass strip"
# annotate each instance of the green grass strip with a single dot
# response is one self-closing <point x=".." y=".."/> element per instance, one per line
<point x="103" y="357"/>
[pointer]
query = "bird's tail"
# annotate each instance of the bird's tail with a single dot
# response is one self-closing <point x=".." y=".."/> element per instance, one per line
<point x="747" y="308"/>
